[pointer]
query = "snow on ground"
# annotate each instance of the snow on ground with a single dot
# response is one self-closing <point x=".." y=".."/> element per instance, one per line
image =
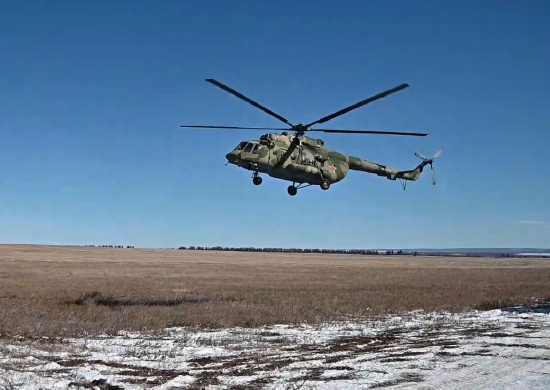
<point x="494" y="349"/>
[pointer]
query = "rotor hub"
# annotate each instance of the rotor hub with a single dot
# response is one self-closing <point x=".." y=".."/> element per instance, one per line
<point x="300" y="129"/>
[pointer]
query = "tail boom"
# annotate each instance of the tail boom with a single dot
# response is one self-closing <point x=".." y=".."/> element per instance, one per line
<point x="358" y="164"/>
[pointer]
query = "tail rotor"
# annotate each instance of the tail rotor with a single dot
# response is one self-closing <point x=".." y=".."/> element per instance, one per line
<point x="429" y="161"/>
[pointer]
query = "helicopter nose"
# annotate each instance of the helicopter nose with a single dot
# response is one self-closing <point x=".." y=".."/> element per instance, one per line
<point x="232" y="157"/>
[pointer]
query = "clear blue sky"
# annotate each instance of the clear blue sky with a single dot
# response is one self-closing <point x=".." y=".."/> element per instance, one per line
<point x="92" y="95"/>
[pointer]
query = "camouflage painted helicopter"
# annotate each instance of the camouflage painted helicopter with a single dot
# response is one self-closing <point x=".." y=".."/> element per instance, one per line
<point x="304" y="161"/>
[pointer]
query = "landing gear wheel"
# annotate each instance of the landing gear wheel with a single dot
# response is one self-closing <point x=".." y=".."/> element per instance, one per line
<point x="325" y="184"/>
<point x="292" y="190"/>
<point x="257" y="180"/>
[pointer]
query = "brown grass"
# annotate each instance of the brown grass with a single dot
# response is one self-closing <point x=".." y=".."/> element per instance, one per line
<point x="60" y="291"/>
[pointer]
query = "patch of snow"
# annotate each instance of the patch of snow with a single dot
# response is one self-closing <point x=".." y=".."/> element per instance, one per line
<point x="497" y="348"/>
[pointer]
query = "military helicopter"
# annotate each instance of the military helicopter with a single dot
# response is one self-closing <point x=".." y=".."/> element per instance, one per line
<point x="304" y="161"/>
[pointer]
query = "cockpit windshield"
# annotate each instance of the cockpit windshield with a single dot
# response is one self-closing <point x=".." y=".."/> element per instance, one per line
<point x="240" y="146"/>
<point x="248" y="147"/>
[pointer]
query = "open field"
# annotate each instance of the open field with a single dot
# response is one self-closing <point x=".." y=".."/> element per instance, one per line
<point x="65" y="291"/>
<point x="116" y="319"/>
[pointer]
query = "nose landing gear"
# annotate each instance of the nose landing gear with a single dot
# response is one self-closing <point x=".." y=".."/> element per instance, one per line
<point x="257" y="180"/>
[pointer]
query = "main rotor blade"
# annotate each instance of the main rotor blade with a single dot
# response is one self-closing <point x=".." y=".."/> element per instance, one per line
<point x="250" y="101"/>
<point x="234" y="127"/>
<point x="369" y="132"/>
<point x="360" y="104"/>
<point x="288" y="153"/>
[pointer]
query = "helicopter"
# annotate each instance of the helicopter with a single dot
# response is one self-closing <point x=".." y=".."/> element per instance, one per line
<point x="305" y="161"/>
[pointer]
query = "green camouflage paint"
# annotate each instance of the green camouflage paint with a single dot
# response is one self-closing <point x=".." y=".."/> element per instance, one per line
<point x="308" y="161"/>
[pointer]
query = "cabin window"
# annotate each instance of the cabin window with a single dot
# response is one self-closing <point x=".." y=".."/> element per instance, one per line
<point x="259" y="149"/>
<point x="249" y="147"/>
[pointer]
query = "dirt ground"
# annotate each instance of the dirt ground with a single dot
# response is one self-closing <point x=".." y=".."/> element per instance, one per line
<point x="61" y="291"/>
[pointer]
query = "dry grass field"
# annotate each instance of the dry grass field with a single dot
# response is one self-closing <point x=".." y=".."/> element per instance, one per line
<point x="63" y="291"/>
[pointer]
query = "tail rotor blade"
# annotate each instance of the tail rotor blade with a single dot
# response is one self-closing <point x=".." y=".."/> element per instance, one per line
<point x="429" y="161"/>
<point x="420" y="156"/>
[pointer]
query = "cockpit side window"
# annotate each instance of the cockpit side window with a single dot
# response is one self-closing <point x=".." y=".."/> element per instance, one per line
<point x="249" y="147"/>
<point x="259" y="149"/>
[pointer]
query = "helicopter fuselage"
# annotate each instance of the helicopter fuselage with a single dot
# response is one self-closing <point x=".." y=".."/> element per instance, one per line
<point x="305" y="162"/>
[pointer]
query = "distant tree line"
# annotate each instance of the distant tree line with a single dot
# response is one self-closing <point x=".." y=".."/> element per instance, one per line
<point x="371" y="252"/>
<point x="298" y="250"/>
<point x="109" y="246"/>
